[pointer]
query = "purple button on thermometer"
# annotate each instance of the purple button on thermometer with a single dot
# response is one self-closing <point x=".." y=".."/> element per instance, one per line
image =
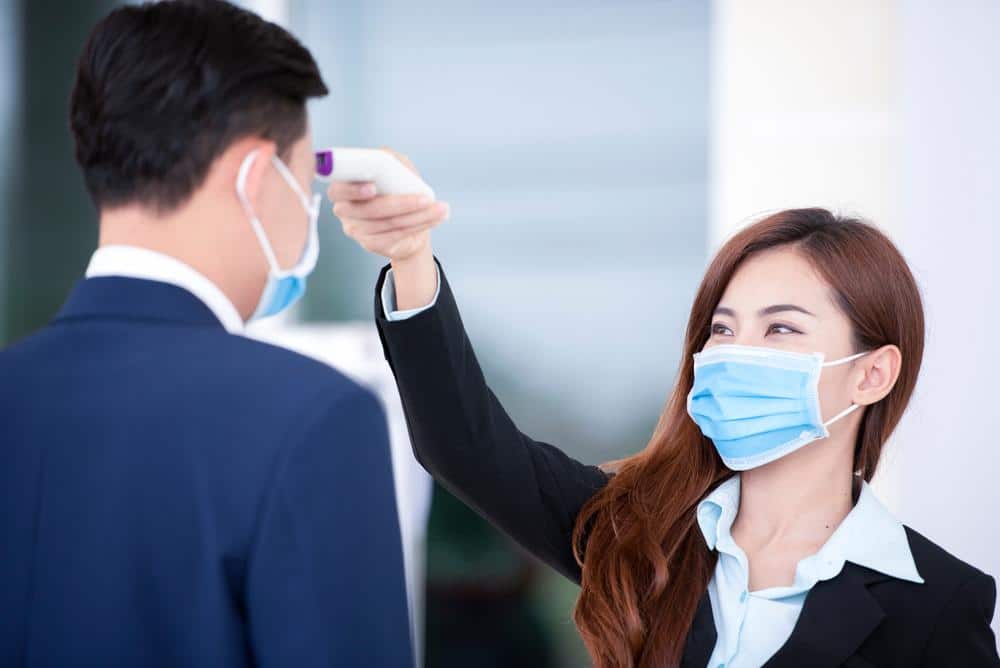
<point x="324" y="163"/>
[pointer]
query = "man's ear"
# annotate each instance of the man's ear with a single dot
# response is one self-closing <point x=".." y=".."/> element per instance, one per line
<point x="248" y="161"/>
<point x="876" y="374"/>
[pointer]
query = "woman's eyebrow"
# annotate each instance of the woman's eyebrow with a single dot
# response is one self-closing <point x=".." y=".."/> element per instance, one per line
<point x="767" y="310"/>
<point x="778" y="308"/>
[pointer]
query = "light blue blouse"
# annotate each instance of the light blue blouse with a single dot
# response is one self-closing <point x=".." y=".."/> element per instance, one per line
<point x="752" y="625"/>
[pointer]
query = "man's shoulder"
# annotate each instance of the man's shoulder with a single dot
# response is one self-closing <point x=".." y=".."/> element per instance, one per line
<point x="274" y="355"/>
<point x="188" y="365"/>
<point x="241" y="359"/>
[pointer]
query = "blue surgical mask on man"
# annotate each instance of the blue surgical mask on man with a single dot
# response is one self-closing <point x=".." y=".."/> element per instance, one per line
<point x="757" y="404"/>
<point x="284" y="286"/>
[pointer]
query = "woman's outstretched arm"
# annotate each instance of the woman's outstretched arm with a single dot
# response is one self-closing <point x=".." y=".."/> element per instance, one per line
<point x="463" y="436"/>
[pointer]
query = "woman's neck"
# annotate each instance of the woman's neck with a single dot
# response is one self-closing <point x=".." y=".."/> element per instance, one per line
<point x="798" y="500"/>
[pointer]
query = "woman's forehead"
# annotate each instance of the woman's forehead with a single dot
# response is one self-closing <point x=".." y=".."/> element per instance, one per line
<point x="777" y="276"/>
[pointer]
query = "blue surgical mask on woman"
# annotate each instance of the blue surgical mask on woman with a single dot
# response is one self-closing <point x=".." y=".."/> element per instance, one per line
<point x="284" y="286"/>
<point x="757" y="404"/>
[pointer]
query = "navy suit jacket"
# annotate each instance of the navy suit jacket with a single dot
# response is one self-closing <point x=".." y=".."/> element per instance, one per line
<point x="173" y="495"/>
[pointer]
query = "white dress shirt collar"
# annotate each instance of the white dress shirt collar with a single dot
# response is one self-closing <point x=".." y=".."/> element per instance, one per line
<point x="137" y="262"/>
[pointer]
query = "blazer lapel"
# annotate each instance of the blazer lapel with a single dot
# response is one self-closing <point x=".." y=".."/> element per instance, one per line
<point x="701" y="638"/>
<point x="836" y="618"/>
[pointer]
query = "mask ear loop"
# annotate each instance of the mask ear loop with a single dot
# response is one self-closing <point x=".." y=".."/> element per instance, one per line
<point x="286" y="174"/>
<point x="841" y="414"/>
<point x="853" y="406"/>
<point x="311" y="205"/>
<point x="844" y="360"/>
<point x="241" y="180"/>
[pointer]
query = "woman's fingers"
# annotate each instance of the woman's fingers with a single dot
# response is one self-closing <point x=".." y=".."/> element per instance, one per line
<point x="355" y="227"/>
<point x="395" y="242"/>
<point x="381" y="207"/>
<point x="390" y="236"/>
<point x="351" y="190"/>
<point x="402" y="158"/>
<point x="411" y="223"/>
<point x="438" y="210"/>
<point x="394" y="226"/>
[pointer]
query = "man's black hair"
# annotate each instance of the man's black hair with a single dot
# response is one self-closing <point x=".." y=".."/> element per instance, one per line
<point x="162" y="89"/>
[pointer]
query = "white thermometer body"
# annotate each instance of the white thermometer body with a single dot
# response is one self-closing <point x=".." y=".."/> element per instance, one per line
<point x="391" y="177"/>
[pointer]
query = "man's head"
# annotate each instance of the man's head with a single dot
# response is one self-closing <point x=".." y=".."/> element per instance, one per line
<point x="169" y="99"/>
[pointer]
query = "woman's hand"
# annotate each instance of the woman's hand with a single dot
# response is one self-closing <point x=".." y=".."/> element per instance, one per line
<point x="394" y="226"/>
<point x="397" y="227"/>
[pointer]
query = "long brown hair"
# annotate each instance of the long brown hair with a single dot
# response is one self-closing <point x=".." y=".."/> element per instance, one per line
<point x="647" y="565"/>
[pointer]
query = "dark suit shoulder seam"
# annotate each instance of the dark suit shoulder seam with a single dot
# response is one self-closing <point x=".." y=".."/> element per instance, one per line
<point x="962" y="569"/>
<point x="948" y="600"/>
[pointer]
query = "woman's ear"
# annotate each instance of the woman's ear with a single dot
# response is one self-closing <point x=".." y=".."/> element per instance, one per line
<point x="876" y="374"/>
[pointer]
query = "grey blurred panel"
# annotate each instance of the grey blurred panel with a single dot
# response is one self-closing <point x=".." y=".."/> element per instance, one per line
<point x="600" y="346"/>
<point x="561" y="228"/>
<point x="586" y="88"/>
<point x="583" y="164"/>
<point x="570" y="140"/>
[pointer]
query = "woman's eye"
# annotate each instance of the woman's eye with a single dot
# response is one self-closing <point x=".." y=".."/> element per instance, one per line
<point x="781" y="329"/>
<point x="719" y="328"/>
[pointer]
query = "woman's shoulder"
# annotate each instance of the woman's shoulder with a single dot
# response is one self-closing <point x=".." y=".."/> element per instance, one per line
<point x="936" y="563"/>
<point x="956" y="602"/>
<point x="948" y="578"/>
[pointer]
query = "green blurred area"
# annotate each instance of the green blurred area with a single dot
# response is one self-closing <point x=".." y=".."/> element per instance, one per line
<point x="49" y="225"/>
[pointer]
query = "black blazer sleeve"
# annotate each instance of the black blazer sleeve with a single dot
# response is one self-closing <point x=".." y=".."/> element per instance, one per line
<point x="962" y="635"/>
<point x="461" y="434"/>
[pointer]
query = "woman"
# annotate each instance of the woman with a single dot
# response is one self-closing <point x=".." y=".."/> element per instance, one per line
<point x="745" y="533"/>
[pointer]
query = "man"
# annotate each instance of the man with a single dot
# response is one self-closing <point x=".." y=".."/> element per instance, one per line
<point x="173" y="493"/>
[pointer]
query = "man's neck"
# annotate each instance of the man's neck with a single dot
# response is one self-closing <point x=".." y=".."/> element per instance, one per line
<point x="189" y="236"/>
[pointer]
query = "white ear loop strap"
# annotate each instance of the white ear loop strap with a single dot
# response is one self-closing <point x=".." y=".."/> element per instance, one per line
<point x="290" y="178"/>
<point x="844" y="360"/>
<point x="241" y="180"/>
<point x="841" y="414"/>
<point x="852" y="407"/>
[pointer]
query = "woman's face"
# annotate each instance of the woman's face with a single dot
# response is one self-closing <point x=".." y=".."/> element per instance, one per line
<point x="777" y="300"/>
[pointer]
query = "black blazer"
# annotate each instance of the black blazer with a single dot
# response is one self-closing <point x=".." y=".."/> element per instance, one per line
<point x="532" y="491"/>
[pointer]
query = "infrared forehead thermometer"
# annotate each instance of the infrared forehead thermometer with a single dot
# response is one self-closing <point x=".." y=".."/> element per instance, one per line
<point x="391" y="177"/>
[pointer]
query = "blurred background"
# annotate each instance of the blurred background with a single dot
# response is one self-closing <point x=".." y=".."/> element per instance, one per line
<point x="594" y="155"/>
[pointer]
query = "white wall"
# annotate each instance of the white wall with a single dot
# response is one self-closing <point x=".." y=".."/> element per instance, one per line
<point x="888" y="110"/>
<point x="802" y="109"/>
<point x="950" y="101"/>
<point x="804" y="114"/>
